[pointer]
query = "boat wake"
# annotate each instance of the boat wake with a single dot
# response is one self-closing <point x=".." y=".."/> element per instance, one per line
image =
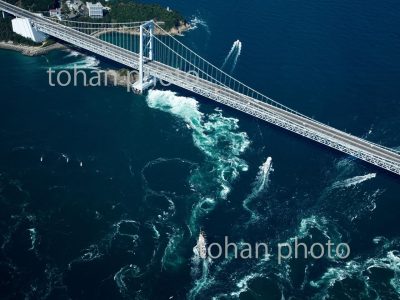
<point x="218" y="139"/>
<point x="259" y="186"/>
<point x="352" y="181"/>
<point x="200" y="267"/>
<point x="87" y="62"/>
<point x="203" y="278"/>
<point x="233" y="55"/>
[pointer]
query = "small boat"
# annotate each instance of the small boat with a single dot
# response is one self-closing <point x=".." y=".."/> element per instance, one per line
<point x="201" y="246"/>
<point x="266" y="167"/>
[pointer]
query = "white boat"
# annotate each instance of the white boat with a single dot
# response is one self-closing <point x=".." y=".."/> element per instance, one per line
<point x="266" y="167"/>
<point x="201" y="246"/>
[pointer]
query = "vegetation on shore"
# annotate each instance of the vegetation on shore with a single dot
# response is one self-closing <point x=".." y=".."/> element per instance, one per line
<point x="121" y="11"/>
<point x="35" y="5"/>
<point x="132" y="11"/>
<point x="128" y="11"/>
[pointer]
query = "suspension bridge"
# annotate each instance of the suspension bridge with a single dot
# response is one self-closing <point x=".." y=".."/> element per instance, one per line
<point x="148" y="48"/>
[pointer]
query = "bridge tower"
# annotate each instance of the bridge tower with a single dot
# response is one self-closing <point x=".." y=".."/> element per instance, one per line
<point x="146" y="48"/>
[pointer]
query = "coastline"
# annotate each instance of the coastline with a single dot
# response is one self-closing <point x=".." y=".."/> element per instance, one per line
<point x="39" y="50"/>
<point x="30" y="50"/>
<point x="178" y="30"/>
<point x="115" y="77"/>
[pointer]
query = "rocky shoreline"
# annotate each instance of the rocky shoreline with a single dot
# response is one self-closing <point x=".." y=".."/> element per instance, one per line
<point x="180" y="29"/>
<point x="30" y="50"/>
<point x="112" y="76"/>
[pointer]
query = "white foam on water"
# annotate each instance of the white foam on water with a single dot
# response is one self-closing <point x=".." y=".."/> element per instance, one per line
<point x="345" y="166"/>
<point x="233" y="48"/>
<point x="119" y="277"/>
<point x="200" y="209"/>
<point x="217" y="137"/>
<point x="91" y="253"/>
<point x="260" y="185"/>
<point x="343" y="185"/>
<point x="238" y="279"/>
<point x="88" y="62"/>
<point x="221" y="143"/>
<point x="333" y="275"/>
<point x="33" y="236"/>
<point x="390" y="262"/>
<point x="238" y="52"/>
<point x="184" y="107"/>
<point x="199" y="254"/>
<point x="243" y="284"/>
<point x="352" y="181"/>
<point x="394" y="264"/>
<point x="233" y="55"/>
<point x="195" y="22"/>
<point x="167" y="213"/>
<point x="132" y="233"/>
<point x="155" y="231"/>
<point x="171" y="256"/>
<point x="203" y="281"/>
<point x="73" y="53"/>
<point x="65" y="156"/>
<point x="306" y="224"/>
<point x="324" y="226"/>
<point x="370" y="200"/>
<point x="360" y="269"/>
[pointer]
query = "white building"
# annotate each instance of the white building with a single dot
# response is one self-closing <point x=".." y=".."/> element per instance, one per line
<point x="23" y="26"/>
<point x="95" y="10"/>
<point x="55" y="12"/>
<point x="73" y="5"/>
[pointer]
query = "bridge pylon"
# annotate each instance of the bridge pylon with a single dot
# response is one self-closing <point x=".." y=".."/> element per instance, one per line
<point x="146" y="48"/>
<point x="173" y="62"/>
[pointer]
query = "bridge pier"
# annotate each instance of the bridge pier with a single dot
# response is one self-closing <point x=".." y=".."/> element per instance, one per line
<point x="4" y="14"/>
<point x="145" y="82"/>
<point x="153" y="80"/>
<point x="212" y="83"/>
<point x="140" y="79"/>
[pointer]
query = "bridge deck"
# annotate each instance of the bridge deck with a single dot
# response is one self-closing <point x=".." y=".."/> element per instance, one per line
<point x="349" y="144"/>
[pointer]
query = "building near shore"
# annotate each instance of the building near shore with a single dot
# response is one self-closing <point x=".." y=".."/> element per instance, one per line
<point x="56" y="12"/>
<point x="73" y="5"/>
<point x="23" y="27"/>
<point x="95" y="9"/>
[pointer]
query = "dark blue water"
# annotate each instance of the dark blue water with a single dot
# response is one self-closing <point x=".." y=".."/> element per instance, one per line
<point x="103" y="193"/>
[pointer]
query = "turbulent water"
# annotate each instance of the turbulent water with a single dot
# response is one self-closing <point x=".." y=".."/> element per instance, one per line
<point x="85" y="62"/>
<point x="103" y="193"/>
<point x="217" y="138"/>
<point x="259" y="186"/>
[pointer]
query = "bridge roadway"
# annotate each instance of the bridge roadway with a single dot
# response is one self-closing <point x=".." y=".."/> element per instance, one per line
<point x="349" y="144"/>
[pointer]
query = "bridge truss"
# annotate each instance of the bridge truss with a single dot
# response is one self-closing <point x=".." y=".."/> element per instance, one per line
<point x="147" y="47"/>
